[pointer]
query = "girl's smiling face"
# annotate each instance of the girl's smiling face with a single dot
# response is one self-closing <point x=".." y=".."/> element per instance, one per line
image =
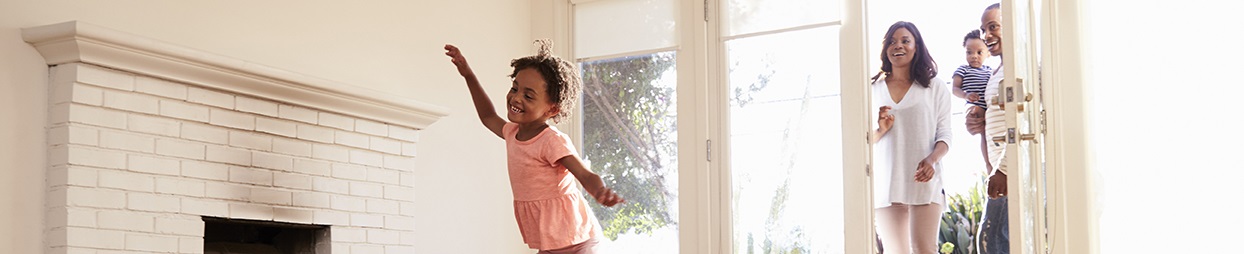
<point x="528" y="100"/>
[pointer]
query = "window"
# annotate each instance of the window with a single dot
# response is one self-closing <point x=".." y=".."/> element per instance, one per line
<point x="629" y="117"/>
<point x="754" y="92"/>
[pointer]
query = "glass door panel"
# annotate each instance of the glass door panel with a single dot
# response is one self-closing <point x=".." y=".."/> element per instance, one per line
<point x="630" y="140"/>
<point x="785" y="142"/>
<point x="1020" y="91"/>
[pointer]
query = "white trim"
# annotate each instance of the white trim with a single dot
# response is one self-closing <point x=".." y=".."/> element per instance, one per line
<point x="700" y="213"/>
<point x="1074" y="226"/>
<point x="626" y="54"/>
<point x="77" y="41"/>
<point x="783" y="30"/>
<point x="856" y="124"/>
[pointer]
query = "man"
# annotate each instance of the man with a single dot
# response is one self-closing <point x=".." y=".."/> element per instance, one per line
<point x="994" y="235"/>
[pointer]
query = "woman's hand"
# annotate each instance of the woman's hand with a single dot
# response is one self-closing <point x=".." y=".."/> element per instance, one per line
<point x="973" y="97"/>
<point x="606" y="197"/>
<point x="924" y="170"/>
<point x="885" y="120"/>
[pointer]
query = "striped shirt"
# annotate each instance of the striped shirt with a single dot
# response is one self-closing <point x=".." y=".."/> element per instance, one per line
<point x="974" y="81"/>
<point x="995" y="123"/>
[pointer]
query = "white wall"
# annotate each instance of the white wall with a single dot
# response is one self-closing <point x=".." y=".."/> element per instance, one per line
<point x="1166" y="91"/>
<point x="391" y="46"/>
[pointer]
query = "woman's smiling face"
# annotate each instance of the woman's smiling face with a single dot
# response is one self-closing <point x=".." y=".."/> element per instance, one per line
<point x="900" y="48"/>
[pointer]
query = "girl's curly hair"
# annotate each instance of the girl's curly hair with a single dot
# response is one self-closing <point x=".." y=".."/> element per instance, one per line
<point x="561" y="77"/>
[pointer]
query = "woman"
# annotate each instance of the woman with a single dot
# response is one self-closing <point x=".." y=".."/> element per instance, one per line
<point x="913" y="135"/>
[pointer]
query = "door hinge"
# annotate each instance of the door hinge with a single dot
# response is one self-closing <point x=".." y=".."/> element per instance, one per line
<point x="705" y="10"/>
<point x="1042" y="121"/>
<point x="868" y="170"/>
<point x="708" y="149"/>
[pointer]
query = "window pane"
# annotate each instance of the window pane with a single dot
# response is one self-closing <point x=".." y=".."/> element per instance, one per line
<point x="629" y="138"/>
<point x="749" y="16"/>
<point x="785" y="142"/>
<point x="610" y="27"/>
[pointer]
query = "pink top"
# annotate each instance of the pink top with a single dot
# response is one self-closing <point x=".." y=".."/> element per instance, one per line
<point x="550" y="211"/>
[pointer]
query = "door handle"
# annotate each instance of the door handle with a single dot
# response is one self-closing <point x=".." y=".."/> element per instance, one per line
<point x="1010" y="135"/>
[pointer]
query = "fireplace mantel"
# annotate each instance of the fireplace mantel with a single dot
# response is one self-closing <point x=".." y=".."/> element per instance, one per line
<point x="148" y="141"/>
<point x="77" y="41"/>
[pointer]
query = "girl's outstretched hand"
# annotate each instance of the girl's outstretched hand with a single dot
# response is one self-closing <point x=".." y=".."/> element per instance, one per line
<point x="606" y="197"/>
<point x="456" y="57"/>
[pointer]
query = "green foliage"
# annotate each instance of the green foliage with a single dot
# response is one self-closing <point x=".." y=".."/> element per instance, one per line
<point x="628" y="136"/>
<point x="961" y="222"/>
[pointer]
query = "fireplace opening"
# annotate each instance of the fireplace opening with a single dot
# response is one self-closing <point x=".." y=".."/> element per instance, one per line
<point x="235" y="236"/>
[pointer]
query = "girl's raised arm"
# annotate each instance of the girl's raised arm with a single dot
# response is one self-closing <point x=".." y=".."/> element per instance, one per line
<point x="487" y="114"/>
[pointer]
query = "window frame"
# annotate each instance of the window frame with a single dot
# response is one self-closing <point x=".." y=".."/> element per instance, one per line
<point x="704" y="184"/>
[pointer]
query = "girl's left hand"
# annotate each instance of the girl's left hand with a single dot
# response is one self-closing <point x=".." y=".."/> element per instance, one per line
<point x="924" y="170"/>
<point x="607" y="198"/>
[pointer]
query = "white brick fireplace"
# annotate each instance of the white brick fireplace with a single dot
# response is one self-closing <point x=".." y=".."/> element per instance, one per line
<point x="147" y="139"/>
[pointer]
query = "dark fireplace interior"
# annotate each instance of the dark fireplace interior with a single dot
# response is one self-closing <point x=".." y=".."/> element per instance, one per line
<point x="234" y="236"/>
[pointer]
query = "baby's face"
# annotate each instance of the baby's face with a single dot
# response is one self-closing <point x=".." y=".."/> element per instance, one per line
<point x="976" y="52"/>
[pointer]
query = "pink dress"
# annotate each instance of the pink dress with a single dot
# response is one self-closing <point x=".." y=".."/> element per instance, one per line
<point x="548" y="206"/>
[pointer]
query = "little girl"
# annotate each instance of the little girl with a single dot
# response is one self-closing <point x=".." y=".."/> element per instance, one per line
<point x="552" y="215"/>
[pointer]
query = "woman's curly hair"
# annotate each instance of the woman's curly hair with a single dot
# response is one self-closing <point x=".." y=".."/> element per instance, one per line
<point x="560" y="76"/>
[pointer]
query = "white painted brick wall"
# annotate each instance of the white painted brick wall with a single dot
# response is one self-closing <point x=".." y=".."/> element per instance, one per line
<point x="336" y="121"/>
<point x="185" y="111"/>
<point x="209" y="97"/>
<point x="311" y="199"/>
<point x="371" y="127"/>
<point x="96" y="116"/>
<point x="297" y="148"/>
<point x="276" y="126"/>
<point x="205" y="170"/>
<point x="126" y="181"/>
<point x="127" y="141"/>
<point x="87" y="94"/>
<point x="296" y="113"/>
<point x="250" y="140"/>
<point x="154" y="165"/>
<point x="293" y="215"/>
<point x="153" y="202"/>
<point x="160" y="87"/>
<point x="131" y="102"/>
<point x="205" y="133"/>
<point x="229" y="155"/>
<point x="179" y="225"/>
<point x="351" y="139"/>
<point x="104" y="77"/>
<point x="126" y="220"/>
<point x="231" y="119"/>
<point x="151" y="242"/>
<point x="154" y="125"/>
<point x="262" y="107"/>
<point x="349" y="234"/>
<point x="136" y="161"/>
<point x="273" y="161"/>
<point x="271" y="196"/>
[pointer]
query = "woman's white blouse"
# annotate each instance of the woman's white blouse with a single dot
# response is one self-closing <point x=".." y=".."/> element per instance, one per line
<point x="921" y="119"/>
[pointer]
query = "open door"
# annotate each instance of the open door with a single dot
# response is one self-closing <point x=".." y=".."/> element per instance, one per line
<point x="1021" y="96"/>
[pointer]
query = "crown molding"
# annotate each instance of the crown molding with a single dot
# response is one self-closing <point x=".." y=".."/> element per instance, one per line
<point x="76" y="41"/>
